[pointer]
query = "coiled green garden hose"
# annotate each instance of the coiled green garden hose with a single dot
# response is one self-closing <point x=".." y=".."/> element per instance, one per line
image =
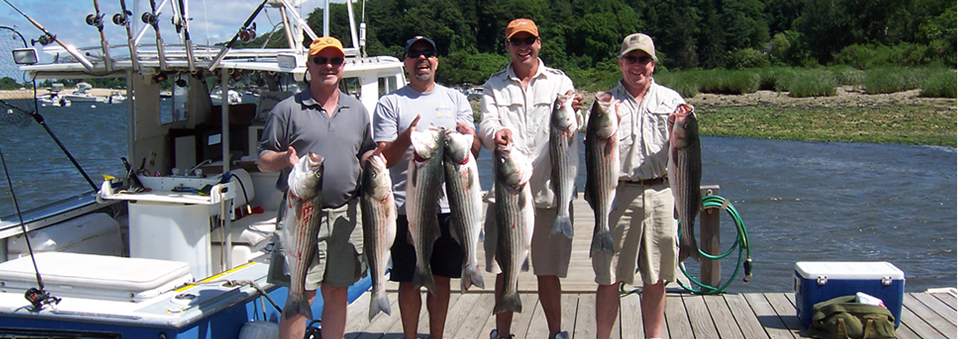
<point x="741" y="242"/>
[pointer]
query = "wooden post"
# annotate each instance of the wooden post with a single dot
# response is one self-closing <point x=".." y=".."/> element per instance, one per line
<point x="709" y="239"/>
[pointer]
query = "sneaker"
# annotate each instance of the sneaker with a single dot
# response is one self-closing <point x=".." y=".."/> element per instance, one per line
<point x="495" y="335"/>
<point x="562" y="335"/>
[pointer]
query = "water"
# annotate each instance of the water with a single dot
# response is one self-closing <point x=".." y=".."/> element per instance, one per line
<point x="800" y="201"/>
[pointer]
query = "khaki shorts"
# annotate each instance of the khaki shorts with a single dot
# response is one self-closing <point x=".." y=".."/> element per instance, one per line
<point x="644" y="232"/>
<point x="550" y="254"/>
<point x="339" y="261"/>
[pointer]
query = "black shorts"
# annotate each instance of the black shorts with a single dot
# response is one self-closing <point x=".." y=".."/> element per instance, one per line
<point x="447" y="254"/>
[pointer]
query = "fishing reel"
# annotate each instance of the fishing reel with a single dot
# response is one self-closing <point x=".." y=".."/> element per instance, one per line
<point x="246" y="35"/>
<point x="38" y="298"/>
<point x="122" y="19"/>
<point x="44" y="40"/>
<point x="149" y="18"/>
<point x="95" y="20"/>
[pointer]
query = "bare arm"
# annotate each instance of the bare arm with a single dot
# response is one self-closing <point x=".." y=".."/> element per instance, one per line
<point x="273" y="161"/>
<point x="394" y="150"/>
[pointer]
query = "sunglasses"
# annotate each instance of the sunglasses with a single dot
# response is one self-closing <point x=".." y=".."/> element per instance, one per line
<point x="335" y="61"/>
<point x="519" y="41"/>
<point x="631" y="59"/>
<point x="414" y="54"/>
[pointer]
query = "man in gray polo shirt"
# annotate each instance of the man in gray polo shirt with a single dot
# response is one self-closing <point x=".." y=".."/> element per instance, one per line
<point x="325" y="121"/>
<point x="424" y="102"/>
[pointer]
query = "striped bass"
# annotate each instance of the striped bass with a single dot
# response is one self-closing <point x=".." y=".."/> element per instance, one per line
<point x="465" y="202"/>
<point x="379" y="227"/>
<point x="564" y="152"/>
<point x="423" y="190"/>
<point x="515" y="216"/>
<point x="602" y="167"/>
<point x="685" y="175"/>
<point x="304" y="201"/>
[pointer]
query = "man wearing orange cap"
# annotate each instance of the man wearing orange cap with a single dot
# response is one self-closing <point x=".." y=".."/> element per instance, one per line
<point x="516" y="106"/>
<point x="643" y="227"/>
<point x="337" y="126"/>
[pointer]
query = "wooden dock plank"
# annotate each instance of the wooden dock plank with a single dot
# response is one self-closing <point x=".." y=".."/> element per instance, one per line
<point x="774" y="327"/>
<point x="937" y="306"/>
<point x="630" y="317"/>
<point x="478" y="316"/>
<point x="699" y="317"/>
<point x="722" y="315"/>
<point x="786" y="312"/>
<point x="521" y="320"/>
<point x="745" y="316"/>
<point x="539" y="323"/>
<point x="948" y="298"/>
<point x="933" y="319"/>
<point x="676" y="318"/>
<point x="918" y="325"/>
<point x="457" y="312"/>
<point x="585" y="317"/>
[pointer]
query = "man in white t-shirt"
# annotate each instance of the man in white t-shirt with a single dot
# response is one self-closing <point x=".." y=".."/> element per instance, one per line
<point x="421" y="102"/>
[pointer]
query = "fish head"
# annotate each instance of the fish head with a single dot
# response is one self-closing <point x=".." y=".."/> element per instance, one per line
<point x="683" y="126"/>
<point x="427" y="144"/>
<point x="564" y="116"/>
<point x="376" y="179"/>
<point x="604" y="116"/>
<point x="512" y="166"/>
<point x="306" y="178"/>
<point x="458" y="147"/>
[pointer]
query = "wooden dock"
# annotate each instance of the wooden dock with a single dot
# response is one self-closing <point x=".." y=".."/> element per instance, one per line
<point x="748" y="315"/>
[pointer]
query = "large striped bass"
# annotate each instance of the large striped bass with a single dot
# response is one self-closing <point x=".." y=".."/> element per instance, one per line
<point x="304" y="201"/>
<point x="379" y="227"/>
<point x="465" y="202"/>
<point x="564" y="152"/>
<point x="423" y="190"/>
<point x="515" y="216"/>
<point x="602" y="167"/>
<point x="685" y="175"/>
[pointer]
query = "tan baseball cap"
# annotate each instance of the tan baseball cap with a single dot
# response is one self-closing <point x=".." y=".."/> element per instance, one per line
<point x="325" y="42"/>
<point x="521" y="25"/>
<point x="638" y="41"/>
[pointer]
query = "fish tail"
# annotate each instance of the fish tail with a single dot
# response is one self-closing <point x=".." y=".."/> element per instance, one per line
<point x="602" y="241"/>
<point x="297" y="304"/>
<point x="688" y="248"/>
<point x="562" y="224"/>
<point x="379" y="302"/>
<point x="508" y="303"/>
<point x="471" y="277"/>
<point x="422" y="278"/>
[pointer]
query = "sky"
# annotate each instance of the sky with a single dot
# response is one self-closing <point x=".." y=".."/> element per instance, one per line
<point x="212" y="20"/>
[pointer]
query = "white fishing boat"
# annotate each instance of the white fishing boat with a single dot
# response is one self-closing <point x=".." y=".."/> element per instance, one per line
<point x="180" y="257"/>
<point x="81" y="94"/>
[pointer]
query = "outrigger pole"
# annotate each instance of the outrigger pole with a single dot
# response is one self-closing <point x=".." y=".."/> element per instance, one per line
<point x="96" y="20"/>
<point x="70" y="49"/>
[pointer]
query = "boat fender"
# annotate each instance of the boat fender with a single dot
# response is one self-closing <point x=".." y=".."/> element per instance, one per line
<point x="259" y="330"/>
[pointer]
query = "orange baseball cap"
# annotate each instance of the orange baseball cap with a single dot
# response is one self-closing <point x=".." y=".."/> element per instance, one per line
<point x="521" y="25"/>
<point x="325" y="42"/>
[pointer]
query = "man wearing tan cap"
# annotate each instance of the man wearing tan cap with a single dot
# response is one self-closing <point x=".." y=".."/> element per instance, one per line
<point x="516" y="107"/>
<point x="650" y="241"/>
<point x="335" y="125"/>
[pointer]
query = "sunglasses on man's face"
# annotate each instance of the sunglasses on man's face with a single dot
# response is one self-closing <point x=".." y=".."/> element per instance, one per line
<point x="519" y="41"/>
<point x="414" y="54"/>
<point x="322" y="61"/>
<point x="631" y="59"/>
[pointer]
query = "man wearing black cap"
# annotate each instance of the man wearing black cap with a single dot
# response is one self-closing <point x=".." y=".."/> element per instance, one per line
<point x="397" y="115"/>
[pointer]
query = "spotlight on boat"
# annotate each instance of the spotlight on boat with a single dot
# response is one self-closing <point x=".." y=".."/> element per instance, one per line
<point x="25" y="56"/>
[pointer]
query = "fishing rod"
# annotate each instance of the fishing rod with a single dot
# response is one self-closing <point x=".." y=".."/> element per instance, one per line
<point x="222" y="54"/>
<point x="152" y="19"/>
<point x="123" y="19"/>
<point x="70" y="49"/>
<point x="186" y="34"/>
<point x="96" y="20"/>
<point x="37" y="296"/>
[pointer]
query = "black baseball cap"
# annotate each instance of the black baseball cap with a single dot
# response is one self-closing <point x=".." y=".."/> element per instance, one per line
<point x="416" y="39"/>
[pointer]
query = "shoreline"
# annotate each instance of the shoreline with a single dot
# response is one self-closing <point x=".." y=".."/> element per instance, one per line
<point x="28" y="93"/>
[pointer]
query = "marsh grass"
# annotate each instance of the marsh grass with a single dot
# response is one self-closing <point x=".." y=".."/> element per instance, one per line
<point x="941" y="85"/>
<point x="813" y="83"/>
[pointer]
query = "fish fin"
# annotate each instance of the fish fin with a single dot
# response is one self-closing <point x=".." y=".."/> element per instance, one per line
<point x="424" y="279"/>
<point x="471" y="277"/>
<point x="525" y="265"/>
<point x="297" y="304"/>
<point x="379" y="302"/>
<point x="602" y="241"/>
<point x="562" y="224"/>
<point x="510" y="303"/>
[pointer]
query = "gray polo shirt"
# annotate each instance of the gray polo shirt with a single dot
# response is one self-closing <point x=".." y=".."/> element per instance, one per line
<point x="301" y="122"/>
<point x="395" y="111"/>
